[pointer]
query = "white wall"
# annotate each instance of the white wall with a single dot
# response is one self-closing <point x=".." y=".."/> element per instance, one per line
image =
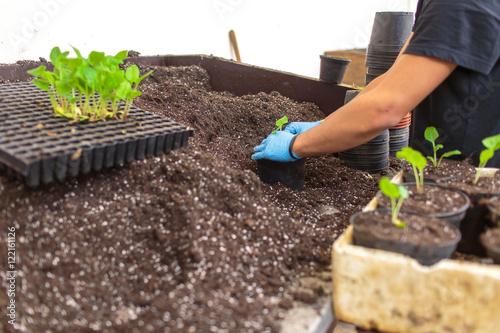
<point x="286" y="35"/>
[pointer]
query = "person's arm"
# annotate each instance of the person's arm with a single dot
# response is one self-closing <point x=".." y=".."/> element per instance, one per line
<point x="400" y="90"/>
<point x="375" y="82"/>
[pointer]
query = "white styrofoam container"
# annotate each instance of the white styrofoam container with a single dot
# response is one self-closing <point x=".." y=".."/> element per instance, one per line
<point x="376" y="289"/>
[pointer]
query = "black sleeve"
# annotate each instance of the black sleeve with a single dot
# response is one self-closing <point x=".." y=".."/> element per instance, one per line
<point x="420" y="5"/>
<point x="463" y="32"/>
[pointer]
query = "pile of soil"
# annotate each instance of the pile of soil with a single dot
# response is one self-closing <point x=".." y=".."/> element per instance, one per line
<point x="191" y="241"/>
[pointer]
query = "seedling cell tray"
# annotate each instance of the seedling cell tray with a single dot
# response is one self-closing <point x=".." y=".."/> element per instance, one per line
<point x="40" y="148"/>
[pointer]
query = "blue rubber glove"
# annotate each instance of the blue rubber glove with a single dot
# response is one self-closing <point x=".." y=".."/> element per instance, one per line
<point x="276" y="147"/>
<point x="299" y="127"/>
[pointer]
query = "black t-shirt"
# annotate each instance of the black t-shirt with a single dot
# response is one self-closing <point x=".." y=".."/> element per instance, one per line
<point x="465" y="108"/>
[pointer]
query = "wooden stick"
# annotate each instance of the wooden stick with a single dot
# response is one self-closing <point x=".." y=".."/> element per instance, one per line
<point x="234" y="43"/>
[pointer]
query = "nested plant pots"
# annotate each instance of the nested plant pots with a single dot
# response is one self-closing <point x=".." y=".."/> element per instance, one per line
<point x="332" y="69"/>
<point x="476" y="218"/>
<point x="372" y="156"/>
<point x="426" y="239"/>
<point x="436" y="201"/>
<point x="389" y="34"/>
<point x="290" y="174"/>
<point x="491" y="241"/>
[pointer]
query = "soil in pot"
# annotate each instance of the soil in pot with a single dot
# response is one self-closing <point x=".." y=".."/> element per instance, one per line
<point x="491" y="241"/>
<point x="188" y="241"/>
<point x="435" y="201"/>
<point x="426" y="239"/>
<point x="447" y="168"/>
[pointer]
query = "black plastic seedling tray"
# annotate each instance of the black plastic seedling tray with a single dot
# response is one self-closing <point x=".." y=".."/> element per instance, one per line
<point x="40" y="148"/>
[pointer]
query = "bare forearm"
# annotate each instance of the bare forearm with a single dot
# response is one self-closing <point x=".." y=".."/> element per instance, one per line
<point x="348" y="127"/>
<point x="399" y="92"/>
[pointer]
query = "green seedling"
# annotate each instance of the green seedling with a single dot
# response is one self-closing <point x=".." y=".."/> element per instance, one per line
<point x="90" y="89"/>
<point x="279" y="123"/>
<point x="492" y="144"/>
<point x="418" y="162"/>
<point x="394" y="192"/>
<point x="431" y="134"/>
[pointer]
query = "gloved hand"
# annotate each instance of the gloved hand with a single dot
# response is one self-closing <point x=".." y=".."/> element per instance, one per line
<point x="299" y="127"/>
<point x="275" y="147"/>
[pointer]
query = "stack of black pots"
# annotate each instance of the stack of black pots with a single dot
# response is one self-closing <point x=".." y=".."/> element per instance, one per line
<point x="372" y="156"/>
<point x="390" y="32"/>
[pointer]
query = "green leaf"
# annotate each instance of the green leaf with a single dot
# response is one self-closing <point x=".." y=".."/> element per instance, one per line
<point x="280" y="122"/>
<point x="492" y="142"/>
<point x="142" y="77"/>
<point x="122" y="55"/>
<point x="485" y="156"/>
<point x="78" y="54"/>
<point x="95" y="58"/>
<point x="123" y="90"/>
<point x="431" y="134"/>
<point x="451" y="153"/>
<point x="55" y="54"/>
<point x="413" y="157"/>
<point x="389" y="189"/>
<point x="403" y="192"/>
<point x="132" y="73"/>
<point x="41" y="84"/>
<point x="440" y="146"/>
<point x="37" y="71"/>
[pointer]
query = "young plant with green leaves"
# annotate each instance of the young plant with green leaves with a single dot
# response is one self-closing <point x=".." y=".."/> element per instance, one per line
<point x="418" y="162"/>
<point x="279" y="123"/>
<point x="397" y="193"/>
<point x="492" y="144"/>
<point x="431" y="134"/>
<point x="90" y="89"/>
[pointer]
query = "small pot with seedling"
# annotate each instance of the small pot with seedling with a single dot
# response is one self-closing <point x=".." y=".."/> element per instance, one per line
<point x="483" y="185"/>
<point x="441" y="166"/>
<point x="426" y="239"/>
<point x="290" y="174"/>
<point x="431" y="200"/>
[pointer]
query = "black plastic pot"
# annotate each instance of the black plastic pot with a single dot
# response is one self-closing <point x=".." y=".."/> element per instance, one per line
<point x="454" y="218"/>
<point x="372" y="156"/>
<point x="398" y="138"/>
<point x="425" y="254"/>
<point x="389" y="34"/>
<point x="350" y="94"/>
<point x="494" y="213"/>
<point x="332" y="69"/>
<point x="474" y="223"/>
<point x="492" y="250"/>
<point x="391" y="28"/>
<point x="290" y="174"/>
<point x="370" y="77"/>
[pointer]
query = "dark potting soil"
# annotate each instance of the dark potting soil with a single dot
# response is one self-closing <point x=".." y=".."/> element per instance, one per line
<point x="485" y="187"/>
<point x="447" y="168"/>
<point x="433" y="200"/>
<point x="419" y="230"/>
<point x="191" y="241"/>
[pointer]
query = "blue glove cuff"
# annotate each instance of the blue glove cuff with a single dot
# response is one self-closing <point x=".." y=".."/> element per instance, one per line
<point x="290" y="148"/>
